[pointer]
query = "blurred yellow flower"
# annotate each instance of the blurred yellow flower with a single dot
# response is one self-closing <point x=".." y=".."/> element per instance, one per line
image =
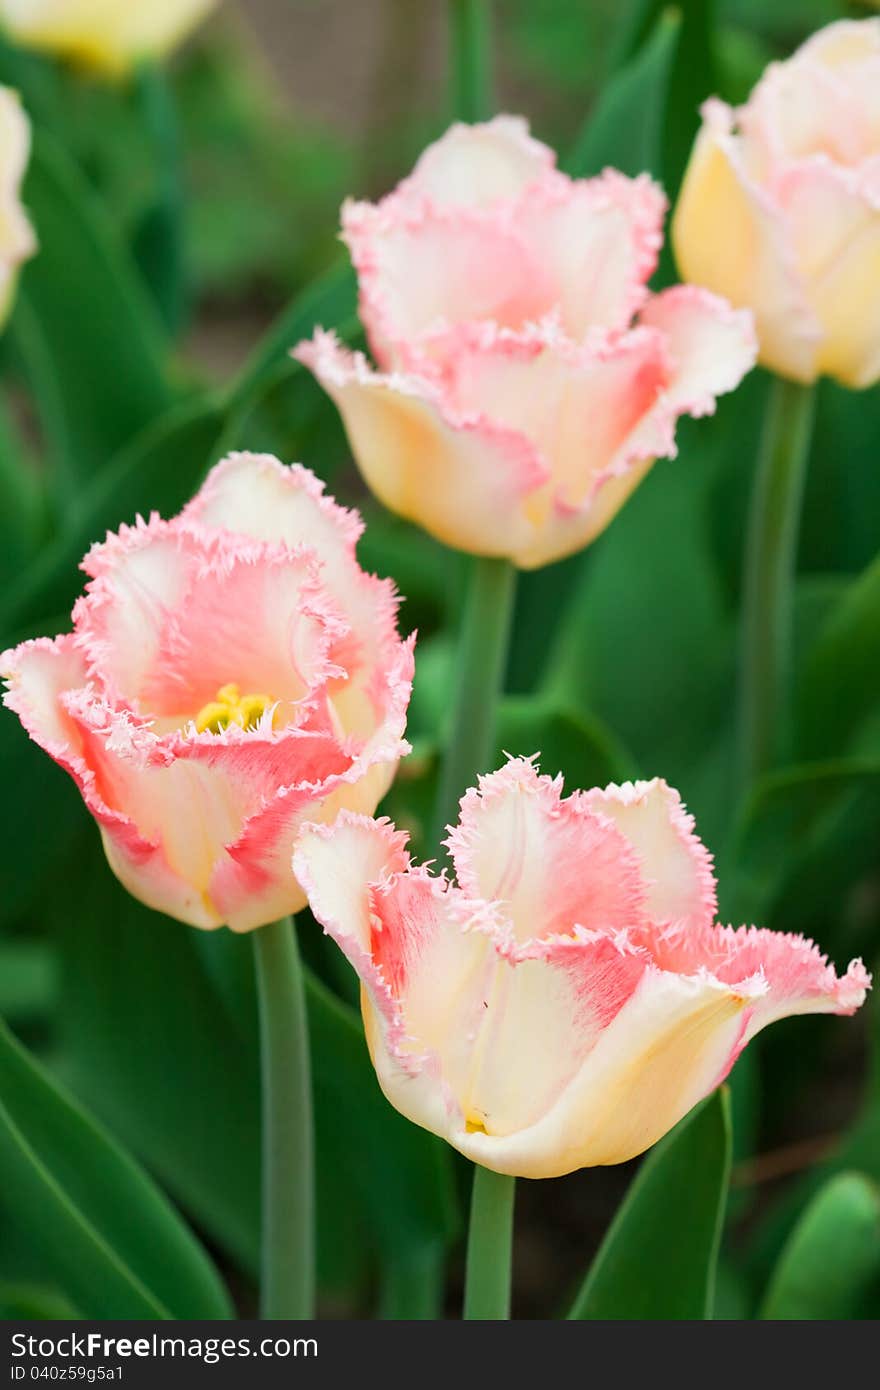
<point x="780" y="207"/>
<point x="110" y="35"/>
<point x="17" y="240"/>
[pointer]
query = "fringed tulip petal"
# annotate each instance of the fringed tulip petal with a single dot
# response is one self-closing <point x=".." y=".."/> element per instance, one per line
<point x="710" y="346"/>
<point x="796" y="975"/>
<point x="675" y="866"/>
<point x="221" y="687"/>
<point x="424" y="459"/>
<point x="599" y="240"/>
<point x="431" y="270"/>
<point x="519" y="404"/>
<point x="520" y="844"/>
<point x="478" y="165"/>
<point x="530" y="444"/>
<point x="41" y="676"/>
<point x="568" y="1000"/>
<point x="780" y="207"/>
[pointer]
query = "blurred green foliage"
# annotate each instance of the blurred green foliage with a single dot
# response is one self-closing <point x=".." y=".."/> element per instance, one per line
<point x="624" y="663"/>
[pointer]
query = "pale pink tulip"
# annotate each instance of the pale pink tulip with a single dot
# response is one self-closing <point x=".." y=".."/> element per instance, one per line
<point x="570" y="998"/>
<point x="780" y="207"/>
<point x="527" y="378"/>
<point x="231" y="674"/>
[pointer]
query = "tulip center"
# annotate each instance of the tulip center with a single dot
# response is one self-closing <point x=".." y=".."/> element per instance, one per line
<point x="231" y="707"/>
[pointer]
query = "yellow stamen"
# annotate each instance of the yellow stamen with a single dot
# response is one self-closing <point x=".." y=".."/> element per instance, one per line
<point x="231" y="707"/>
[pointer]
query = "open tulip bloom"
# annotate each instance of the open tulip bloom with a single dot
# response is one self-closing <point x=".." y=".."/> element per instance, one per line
<point x="110" y="35"/>
<point x="528" y="378"/>
<point x="569" y="998"/>
<point x="780" y="207"/>
<point x="230" y="674"/>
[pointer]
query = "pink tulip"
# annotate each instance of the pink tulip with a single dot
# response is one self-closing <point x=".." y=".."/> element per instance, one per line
<point x="780" y="207"/>
<point x="230" y="674"/>
<point x="570" y="998"/>
<point x="528" y="378"/>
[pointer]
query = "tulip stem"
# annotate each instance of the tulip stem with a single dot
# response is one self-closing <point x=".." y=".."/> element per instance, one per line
<point x="770" y="561"/>
<point x="481" y="664"/>
<point x="288" y="1242"/>
<point x="470" y="26"/>
<point x="490" y="1246"/>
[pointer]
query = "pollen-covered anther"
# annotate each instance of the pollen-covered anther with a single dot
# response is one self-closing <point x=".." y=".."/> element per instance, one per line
<point x="231" y="707"/>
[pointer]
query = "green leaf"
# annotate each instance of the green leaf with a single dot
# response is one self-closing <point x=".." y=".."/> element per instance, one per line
<point x="626" y="128"/>
<point x="150" y="1045"/>
<point x="45" y="796"/>
<point x="27" y="980"/>
<point x="840" y="684"/>
<point x="831" y="1256"/>
<point x="841" y="505"/>
<point x="113" y="1243"/>
<point x="647" y="640"/>
<point x="22" y="501"/>
<point x="857" y="1151"/>
<point x="693" y="79"/>
<point x="160" y="1034"/>
<point x="363" y="1137"/>
<point x="788" y="817"/>
<point x="89" y="338"/>
<point x="330" y="302"/>
<point x="577" y="745"/>
<point x="659" y="1257"/>
<point x="32" y="1302"/>
<point x="158" y="471"/>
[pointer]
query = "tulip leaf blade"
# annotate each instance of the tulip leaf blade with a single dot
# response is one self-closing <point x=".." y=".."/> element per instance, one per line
<point x="115" y="1245"/>
<point x="92" y="344"/>
<point x="158" y="470"/>
<point x="575" y="743"/>
<point x="659" y="1256"/>
<point x="625" y="130"/>
<point x="792" y="822"/>
<point x="330" y="301"/>
<point x="831" y="1255"/>
<point x="199" y="1131"/>
<point x="841" y="677"/>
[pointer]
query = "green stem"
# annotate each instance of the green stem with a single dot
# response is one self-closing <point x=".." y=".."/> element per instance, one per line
<point x="482" y="660"/>
<point x="288" y="1244"/>
<point x="771" y="552"/>
<point x="470" y="30"/>
<point x="490" y="1246"/>
<point x="412" y="1286"/>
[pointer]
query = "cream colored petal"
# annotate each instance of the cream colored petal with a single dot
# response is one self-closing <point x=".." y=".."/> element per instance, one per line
<point x="110" y="35"/>
<point x="730" y="237"/>
<point x="835" y="225"/>
<point x="668" y="1047"/>
<point x="465" y="479"/>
